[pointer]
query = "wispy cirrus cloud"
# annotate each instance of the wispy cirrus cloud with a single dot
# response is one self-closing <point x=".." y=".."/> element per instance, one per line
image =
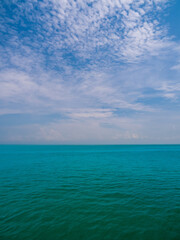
<point x="88" y="29"/>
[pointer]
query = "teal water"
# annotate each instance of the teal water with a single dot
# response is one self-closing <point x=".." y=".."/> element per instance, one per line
<point x="90" y="192"/>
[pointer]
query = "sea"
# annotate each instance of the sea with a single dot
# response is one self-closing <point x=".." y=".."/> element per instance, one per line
<point x="100" y="192"/>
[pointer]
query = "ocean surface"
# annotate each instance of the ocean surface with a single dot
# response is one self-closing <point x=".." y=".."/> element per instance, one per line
<point x="90" y="192"/>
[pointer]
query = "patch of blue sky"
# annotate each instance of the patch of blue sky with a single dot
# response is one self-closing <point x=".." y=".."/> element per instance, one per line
<point x="172" y="19"/>
<point x="25" y="119"/>
<point x="69" y="66"/>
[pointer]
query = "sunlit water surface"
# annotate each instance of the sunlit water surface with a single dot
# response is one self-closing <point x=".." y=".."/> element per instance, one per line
<point x="90" y="192"/>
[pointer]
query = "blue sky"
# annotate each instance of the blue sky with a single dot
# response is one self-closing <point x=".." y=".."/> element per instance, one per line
<point x="89" y="72"/>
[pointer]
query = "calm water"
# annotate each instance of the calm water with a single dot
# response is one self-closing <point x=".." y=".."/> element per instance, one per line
<point x="90" y="192"/>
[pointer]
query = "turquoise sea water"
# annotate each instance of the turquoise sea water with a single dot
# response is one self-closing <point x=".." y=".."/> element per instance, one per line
<point x="90" y="192"/>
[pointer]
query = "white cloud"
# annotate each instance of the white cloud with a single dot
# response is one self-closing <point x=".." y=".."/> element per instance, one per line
<point x="176" y="67"/>
<point x="52" y="93"/>
<point x="170" y="90"/>
<point x="127" y="28"/>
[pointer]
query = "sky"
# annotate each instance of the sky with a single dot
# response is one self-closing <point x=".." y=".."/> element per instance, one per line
<point x="90" y="72"/>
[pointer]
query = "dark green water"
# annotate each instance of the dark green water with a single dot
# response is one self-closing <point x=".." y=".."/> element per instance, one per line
<point x="90" y="192"/>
